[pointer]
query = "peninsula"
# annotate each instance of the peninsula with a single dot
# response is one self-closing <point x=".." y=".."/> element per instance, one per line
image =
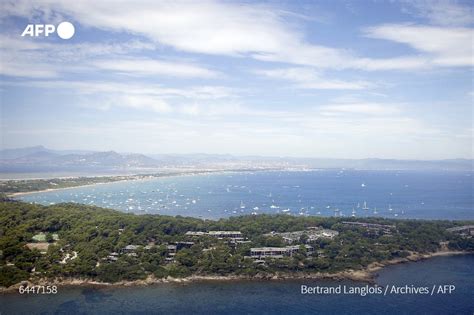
<point x="77" y="244"/>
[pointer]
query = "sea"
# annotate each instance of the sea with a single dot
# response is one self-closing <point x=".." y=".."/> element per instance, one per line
<point x="346" y="193"/>
<point x="271" y="297"/>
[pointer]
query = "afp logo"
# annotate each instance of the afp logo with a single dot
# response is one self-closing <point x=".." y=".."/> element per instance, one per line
<point x="65" y="30"/>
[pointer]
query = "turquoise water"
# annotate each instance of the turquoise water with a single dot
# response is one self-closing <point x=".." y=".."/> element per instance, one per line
<point x="267" y="297"/>
<point x="426" y="195"/>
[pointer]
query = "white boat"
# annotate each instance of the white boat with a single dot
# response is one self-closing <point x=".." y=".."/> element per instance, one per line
<point x="365" y="206"/>
<point x="255" y="208"/>
<point x="353" y="212"/>
<point x="274" y="207"/>
<point x="362" y="185"/>
<point x="285" y="210"/>
<point x="242" y="205"/>
<point x="390" y="208"/>
<point x="375" y="210"/>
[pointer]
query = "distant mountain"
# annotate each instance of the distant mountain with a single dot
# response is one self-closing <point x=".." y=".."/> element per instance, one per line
<point x="41" y="159"/>
<point x="21" y="152"/>
<point x="17" y="153"/>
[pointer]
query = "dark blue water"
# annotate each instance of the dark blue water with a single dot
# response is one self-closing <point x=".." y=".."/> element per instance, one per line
<point x="267" y="297"/>
<point x="410" y="194"/>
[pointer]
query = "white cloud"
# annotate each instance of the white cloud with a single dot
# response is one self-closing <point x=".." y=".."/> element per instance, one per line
<point x="262" y="32"/>
<point x="105" y="95"/>
<point x="443" y="46"/>
<point x="441" y="12"/>
<point x="205" y="92"/>
<point x="155" y="67"/>
<point x="372" y="109"/>
<point x="307" y="78"/>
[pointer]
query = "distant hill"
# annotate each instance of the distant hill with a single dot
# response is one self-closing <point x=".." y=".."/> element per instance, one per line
<point x="41" y="159"/>
<point x="21" y="152"/>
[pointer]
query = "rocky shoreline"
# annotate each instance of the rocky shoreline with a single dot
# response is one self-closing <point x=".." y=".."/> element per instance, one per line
<point x="367" y="275"/>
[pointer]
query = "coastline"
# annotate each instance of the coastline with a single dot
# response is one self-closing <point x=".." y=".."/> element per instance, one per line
<point x="367" y="275"/>
<point x="131" y="179"/>
<point x="145" y="177"/>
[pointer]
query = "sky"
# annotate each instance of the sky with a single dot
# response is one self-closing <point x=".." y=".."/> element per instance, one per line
<point x="325" y="79"/>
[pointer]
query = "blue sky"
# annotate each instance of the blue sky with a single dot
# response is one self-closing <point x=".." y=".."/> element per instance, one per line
<point x="342" y="79"/>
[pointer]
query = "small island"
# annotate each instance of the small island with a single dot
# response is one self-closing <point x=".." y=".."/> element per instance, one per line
<point x="77" y="244"/>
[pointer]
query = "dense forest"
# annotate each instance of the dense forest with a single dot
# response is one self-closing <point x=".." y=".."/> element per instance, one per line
<point x="90" y="243"/>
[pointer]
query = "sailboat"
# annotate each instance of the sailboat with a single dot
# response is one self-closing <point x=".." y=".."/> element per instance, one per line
<point x="358" y="205"/>
<point x="353" y="212"/>
<point x="375" y="210"/>
<point x="390" y="208"/>
<point x="242" y="205"/>
<point x="365" y="206"/>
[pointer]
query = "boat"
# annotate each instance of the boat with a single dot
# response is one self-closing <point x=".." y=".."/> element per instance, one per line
<point x="255" y="208"/>
<point x="375" y="210"/>
<point x="242" y="205"/>
<point x="390" y="208"/>
<point x="274" y="207"/>
<point x="365" y="206"/>
<point x="358" y="205"/>
<point x="285" y="210"/>
<point x="362" y="185"/>
<point x="353" y="212"/>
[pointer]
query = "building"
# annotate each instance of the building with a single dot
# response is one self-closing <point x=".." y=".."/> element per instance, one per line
<point x="465" y="230"/>
<point x="181" y="245"/>
<point x="171" y="252"/>
<point x="232" y="236"/>
<point x="192" y="233"/>
<point x="374" y="227"/>
<point x="130" y="248"/>
<point x="225" y="234"/>
<point x="313" y="234"/>
<point x="278" y="252"/>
